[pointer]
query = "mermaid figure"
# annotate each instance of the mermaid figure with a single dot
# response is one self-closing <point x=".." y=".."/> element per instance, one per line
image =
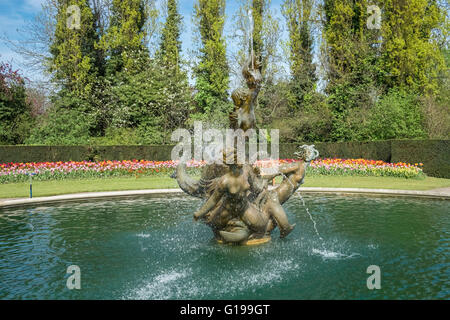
<point x="240" y="202"/>
<point x="232" y="207"/>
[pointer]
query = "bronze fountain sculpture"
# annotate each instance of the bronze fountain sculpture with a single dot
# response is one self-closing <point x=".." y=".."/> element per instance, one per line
<point x="239" y="207"/>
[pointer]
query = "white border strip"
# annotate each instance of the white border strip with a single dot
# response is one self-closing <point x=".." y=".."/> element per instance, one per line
<point x="161" y="192"/>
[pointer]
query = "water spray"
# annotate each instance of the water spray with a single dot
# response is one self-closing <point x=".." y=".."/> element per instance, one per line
<point x="306" y="208"/>
<point x="250" y="18"/>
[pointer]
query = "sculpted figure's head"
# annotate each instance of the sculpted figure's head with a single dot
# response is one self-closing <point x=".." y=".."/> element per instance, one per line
<point x="307" y="153"/>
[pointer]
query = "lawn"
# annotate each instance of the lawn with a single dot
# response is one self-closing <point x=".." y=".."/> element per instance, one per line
<point x="49" y="188"/>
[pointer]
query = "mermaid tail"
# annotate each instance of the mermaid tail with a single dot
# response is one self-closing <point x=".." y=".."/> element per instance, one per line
<point x="237" y="236"/>
<point x="238" y="233"/>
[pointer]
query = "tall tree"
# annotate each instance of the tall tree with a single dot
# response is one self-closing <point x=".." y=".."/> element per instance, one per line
<point x="258" y="8"/>
<point x="351" y="53"/>
<point x="265" y="35"/>
<point x="212" y="72"/>
<point x="125" y="37"/>
<point x="400" y="58"/>
<point x="410" y="51"/>
<point x="170" y="46"/>
<point x="406" y="49"/>
<point x="303" y="70"/>
<point x="344" y="36"/>
<point x="73" y="58"/>
<point x="37" y="35"/>
<point x="172" y="77"/>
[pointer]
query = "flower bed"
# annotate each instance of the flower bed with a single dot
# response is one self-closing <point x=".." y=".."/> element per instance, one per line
<point x="363" y="167"/>
<point x="19" y="172"/>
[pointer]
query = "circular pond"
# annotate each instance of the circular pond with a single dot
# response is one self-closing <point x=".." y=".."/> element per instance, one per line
<point x="150" y="248"/>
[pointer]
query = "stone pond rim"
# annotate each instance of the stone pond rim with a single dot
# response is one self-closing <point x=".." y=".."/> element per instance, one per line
<point x="443" y="194"/>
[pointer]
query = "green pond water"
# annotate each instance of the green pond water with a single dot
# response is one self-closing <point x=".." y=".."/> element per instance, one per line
<point x="150" y="248"/>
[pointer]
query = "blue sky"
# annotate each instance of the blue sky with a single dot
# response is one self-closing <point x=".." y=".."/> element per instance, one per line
<point x="15" y="13"/>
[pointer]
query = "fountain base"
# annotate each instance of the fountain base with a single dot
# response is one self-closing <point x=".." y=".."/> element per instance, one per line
<point x="253" y="242"/>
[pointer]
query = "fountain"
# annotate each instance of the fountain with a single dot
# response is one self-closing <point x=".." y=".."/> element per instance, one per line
<point x="239" y="207"/>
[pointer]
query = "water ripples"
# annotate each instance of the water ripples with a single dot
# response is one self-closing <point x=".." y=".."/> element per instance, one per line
<point x="150" y="248"/>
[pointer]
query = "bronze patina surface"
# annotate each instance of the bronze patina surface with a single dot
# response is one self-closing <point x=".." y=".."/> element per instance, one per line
<point x="239" y="208"/>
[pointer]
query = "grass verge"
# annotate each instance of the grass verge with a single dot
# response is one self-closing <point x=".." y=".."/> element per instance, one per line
<point x="51" y="188"/>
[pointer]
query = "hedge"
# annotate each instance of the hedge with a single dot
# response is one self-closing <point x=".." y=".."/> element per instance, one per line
<point x="376" y="150"/>
<point x="434" y="154"/>
<point x="81" y="153"/>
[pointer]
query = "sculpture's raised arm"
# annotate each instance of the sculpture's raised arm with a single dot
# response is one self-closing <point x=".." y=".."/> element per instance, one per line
<point x="294" y="173"/>
<point x="252" y="73"/>
<point x="210" y="204"/>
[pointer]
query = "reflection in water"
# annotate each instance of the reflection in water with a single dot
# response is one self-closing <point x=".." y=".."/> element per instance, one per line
<point x="149" y="248"/>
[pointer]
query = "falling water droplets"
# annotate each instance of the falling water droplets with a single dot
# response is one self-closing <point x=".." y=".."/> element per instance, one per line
<point x="307" y="211"/>
<point x="310" y="217"/>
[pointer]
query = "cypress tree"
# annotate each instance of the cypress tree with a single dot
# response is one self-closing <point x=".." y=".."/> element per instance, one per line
<point x="74" y="59"/>
<point x="411" y="56"/>
<point x="124" y="41"/>
<point x="265" y="35"/>
<point x="170" y="46"/>
<point x="298" y="14"/>
<point x="258" y="7"/>
<point x="352" y="56"/>
<point x="212" y="73"/>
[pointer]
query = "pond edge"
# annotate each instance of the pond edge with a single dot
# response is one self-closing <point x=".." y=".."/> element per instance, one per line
<point x="162" y="192"/>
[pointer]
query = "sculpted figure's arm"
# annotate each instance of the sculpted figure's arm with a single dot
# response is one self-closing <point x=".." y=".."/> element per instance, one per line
<point x="210" y="204"/>
<point x="291" y="168"/>
<point x="271" y="176"/>
<point x="259" y="182"/>
<point x="295" y="172"/>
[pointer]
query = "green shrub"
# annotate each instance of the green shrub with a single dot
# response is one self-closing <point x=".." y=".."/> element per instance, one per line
<point x="116" y="137"/>
<point x="151" y="103"/>
<point x="146" y="134"/>
<point x="62" y="127"/>
<point x="313" y="121"/>
<point x="15" y="111"/>
<point x="149" y="132"/>
<point x="397" y="115"/>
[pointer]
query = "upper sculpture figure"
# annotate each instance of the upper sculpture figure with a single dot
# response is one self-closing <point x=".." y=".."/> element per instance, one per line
<point x="244" y="99"/>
